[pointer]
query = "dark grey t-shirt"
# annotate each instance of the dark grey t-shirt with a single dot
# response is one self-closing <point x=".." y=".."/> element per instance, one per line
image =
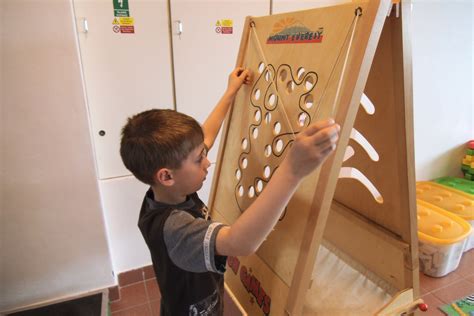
<point x="191" y="242"/>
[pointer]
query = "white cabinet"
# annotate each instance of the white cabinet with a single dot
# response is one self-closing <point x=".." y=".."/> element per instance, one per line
<point x="204" y="54"/>
<point x="125" y="73"/>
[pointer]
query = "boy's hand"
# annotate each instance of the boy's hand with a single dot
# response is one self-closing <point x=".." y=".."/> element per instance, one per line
<point x="238" y="77"/>
<point x="311" y="147"/>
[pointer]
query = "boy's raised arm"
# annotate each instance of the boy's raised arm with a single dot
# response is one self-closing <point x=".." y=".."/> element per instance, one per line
<point x="214" y="121"/>
<point x="310" y="148"/>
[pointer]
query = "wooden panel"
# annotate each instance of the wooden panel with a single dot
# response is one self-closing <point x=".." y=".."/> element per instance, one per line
<point x="301" y="97"/>
<point x="387" y="131"/>
<point x="390" y="132"/>
<point x="378" y="250"/>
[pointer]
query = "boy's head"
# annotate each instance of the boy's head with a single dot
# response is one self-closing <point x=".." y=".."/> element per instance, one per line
<point x="157" y="139"/>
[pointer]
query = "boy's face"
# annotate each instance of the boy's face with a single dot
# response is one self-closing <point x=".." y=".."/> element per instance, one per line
<point x="190" y="177"/>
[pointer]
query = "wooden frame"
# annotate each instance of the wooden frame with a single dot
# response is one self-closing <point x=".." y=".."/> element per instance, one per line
<point x="280" y="273"/>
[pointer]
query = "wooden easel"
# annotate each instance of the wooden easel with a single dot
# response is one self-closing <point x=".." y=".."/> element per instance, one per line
<point x="275" y="279"/>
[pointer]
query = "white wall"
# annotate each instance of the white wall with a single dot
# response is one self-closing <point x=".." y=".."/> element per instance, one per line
<point x="442" y="42"/>
<point x="53" y="234"/>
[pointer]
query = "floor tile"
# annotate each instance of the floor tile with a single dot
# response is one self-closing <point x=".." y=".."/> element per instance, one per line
<point x="431" y="284"/>
<point x="433" y="304"/>
<point x="141" y="310"/>
<point x="149" y="273"/>
<point x="470" y="278"/>
<point x="130" y="277"/>
<point x="466" y="266"/>
<point x="152" y="289"/>
<point x="454" y="291"/>
<point x="130" y="296"/>
<point x="114" y="293"/>
<point x="155" y="307"/>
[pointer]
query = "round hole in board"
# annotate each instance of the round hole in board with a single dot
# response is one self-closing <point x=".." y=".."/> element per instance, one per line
<point x="255" y="132"/>
<point x="256" y="94"/>
<point x="279" y="146"/>
<point x="258" y="115"/>
<point x="277" y="128"/>
<point x="290" y="86"/>
<point x="251" y="191"/>
<point x="309" y="83"/>
<point x="259" y="186"/>
<point x="300" y="73"/>
<point x="302" y="118"/>
<point x="238" y="174"/>
<point x="244" y="143"/>
<point x="268" y="118"/>
<point x="308" y="101"/>
<point x="283" y="74"/>
<point x="267" y="172"/>
<point x="244" y="163"/>
<point x="268" y="76"/>
<point x="268" y="150"/>
<point x="272" y="100"/>
<point x="241" y="190"/>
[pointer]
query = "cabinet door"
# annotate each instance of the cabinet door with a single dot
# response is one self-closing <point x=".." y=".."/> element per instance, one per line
<point x="205" y="53"/>
<point x="124" y="73"/>
<point x="280" y="6"/>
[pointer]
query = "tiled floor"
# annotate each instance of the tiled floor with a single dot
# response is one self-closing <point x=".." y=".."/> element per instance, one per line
<point x="140" y="296"/>
<point x="440" y="291"/>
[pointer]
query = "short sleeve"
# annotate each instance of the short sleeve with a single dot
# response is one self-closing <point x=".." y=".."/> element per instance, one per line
<point x="191" y="243"/>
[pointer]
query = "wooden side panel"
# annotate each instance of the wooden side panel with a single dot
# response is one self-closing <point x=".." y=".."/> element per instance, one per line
<point x="390" y="132"/>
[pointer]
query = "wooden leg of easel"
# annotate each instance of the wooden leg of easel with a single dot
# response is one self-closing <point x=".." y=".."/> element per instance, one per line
<point x="234" y="299"/>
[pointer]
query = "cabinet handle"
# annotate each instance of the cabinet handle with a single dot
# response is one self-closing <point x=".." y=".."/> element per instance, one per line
<point x="179" y="27"/>
<point x="85" y="25"/>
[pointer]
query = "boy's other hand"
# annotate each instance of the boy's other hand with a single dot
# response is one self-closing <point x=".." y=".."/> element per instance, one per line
<point x="238" y="77"/>
<point x="311" y="147"/>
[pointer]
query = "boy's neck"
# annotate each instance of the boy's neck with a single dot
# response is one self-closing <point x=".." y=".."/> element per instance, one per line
<point x="164" y="196"/>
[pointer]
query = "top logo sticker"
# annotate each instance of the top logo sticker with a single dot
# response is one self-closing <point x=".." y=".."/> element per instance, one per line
<point x="292" y="31"/>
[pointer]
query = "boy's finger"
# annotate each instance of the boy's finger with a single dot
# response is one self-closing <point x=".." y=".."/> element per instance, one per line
<point x="328" y="134"/>
<point x="319" y="125"/>
<point x="238" y="71"/>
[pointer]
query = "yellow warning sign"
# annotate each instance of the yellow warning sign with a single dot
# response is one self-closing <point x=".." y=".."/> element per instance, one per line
<point x="227" y="22"/>
<point x="218" y="23"/>
<point x="115" y="21"/>
<point x="126" y="21"/>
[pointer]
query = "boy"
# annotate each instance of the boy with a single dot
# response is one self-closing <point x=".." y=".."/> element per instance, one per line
<point x="168" y="151"/>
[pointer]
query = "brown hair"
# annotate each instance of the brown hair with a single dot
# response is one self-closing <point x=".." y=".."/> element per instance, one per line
<point x="157" y="139"/>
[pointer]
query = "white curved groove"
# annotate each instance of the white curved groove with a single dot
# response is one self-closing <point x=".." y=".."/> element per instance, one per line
<point x="348" y="153"/>
<point x="353" y="173"/>
<point x="361" y="140"/>
<point x="367" y="104"/>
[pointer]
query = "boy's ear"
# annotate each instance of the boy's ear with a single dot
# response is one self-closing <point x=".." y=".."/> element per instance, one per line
<point x="164" y="177"/>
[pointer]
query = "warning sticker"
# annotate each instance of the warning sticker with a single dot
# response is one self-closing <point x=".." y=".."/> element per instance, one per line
<point x="224" y="26"/>
<point x="126" y="21"/>
<point x="127" y="29"/>
<point x="123" y="25"/>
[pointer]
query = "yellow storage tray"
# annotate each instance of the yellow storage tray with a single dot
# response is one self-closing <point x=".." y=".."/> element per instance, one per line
<point x="449" y="199"/>
<point x="440" y="227"/>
